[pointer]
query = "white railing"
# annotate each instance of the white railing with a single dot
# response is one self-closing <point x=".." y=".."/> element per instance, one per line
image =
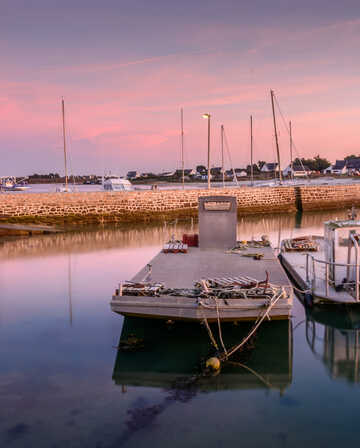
<point x="328" y="264"/>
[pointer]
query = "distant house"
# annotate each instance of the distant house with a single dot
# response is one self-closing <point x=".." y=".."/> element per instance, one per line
<point x="240" y="172"/>
<point x="216" y="171"/>
<point x="167" y="174"/>
<point x="90" y="179"/>
<point x="340" y="167"/>
<point x="297" y="170"/>
<point x="270" y="167"/>
<point x="201" y="169"/>
<point x="187" y="172"/>
<point x="133" y="175"/>
<point x="353" y="166"/>
<point x="147" y="175"/>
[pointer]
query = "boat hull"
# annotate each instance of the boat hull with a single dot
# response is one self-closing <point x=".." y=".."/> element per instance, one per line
<point x="15" y="188"/>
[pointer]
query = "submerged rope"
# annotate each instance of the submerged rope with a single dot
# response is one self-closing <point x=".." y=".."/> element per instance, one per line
<point x="260" y="377"/>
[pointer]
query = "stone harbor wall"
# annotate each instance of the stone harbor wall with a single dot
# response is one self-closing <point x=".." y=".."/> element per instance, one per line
<point x="327" y="196"/>
<point x="161" y="204"/>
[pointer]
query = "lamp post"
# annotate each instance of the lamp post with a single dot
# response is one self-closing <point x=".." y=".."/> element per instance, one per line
<point x="208" y="158"/>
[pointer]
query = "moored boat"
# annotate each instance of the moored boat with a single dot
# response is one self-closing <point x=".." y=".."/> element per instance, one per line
<point x="326" y="268"/>
<point x="10" y="183"/>
<point x="117" y="183"/>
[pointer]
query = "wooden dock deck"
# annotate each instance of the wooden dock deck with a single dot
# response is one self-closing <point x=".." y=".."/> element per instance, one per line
<point x="183" y="270"/>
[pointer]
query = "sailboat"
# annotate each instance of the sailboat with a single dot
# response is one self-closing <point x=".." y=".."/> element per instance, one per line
<point x="65" y="187"/>
<point x="277" y="165"/>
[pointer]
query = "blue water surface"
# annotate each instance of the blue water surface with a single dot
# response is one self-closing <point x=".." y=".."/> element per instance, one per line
<point x="63" y="382"/>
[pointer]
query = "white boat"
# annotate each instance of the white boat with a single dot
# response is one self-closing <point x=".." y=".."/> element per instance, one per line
<point x="326" y="268"/>
<point x="117" y="183"/>
<point x="64" y="189"/>
<point x="10" y="183"/>
<point x="210" y="282"/>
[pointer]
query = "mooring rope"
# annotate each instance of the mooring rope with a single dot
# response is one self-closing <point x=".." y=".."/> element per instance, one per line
<point x="211" y="336"/>
<point x="219" y="326"/>
<point x="256" y="326"/>
<point x="302" y="291"/>
<point x="277" y="293"/>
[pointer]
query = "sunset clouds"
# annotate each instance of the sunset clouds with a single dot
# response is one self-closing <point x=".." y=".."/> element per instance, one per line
<point x="126" y="68"/>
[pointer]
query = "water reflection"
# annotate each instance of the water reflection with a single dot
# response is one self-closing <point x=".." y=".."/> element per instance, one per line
<point x="70" y="291"/>
<point x="56" y="385"/>
<point x="113" y="237"/>
<point x="168" y="353"/>
<point x="334" y="338"/>
<point x="169" y="358"/>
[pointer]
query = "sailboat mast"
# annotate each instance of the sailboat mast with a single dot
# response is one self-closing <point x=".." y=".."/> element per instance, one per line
<point x="276" y="136"/>
<point x="291" y="153"/>
<point x="222" y="155"/>
<point x="251" y="151"/>
<point x="182" y="147"/>
<point x="64" y="137"/>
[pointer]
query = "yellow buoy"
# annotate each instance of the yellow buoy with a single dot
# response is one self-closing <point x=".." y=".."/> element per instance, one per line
<point x="213" y="363"/>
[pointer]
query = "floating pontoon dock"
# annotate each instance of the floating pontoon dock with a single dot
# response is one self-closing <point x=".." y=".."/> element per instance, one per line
<point x="269" y="289"/>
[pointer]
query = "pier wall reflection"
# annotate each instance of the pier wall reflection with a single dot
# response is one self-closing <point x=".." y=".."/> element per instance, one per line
<point x="276" y="226"/>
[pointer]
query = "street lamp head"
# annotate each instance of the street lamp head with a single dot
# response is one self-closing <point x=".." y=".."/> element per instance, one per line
<point x="206" y="115"/>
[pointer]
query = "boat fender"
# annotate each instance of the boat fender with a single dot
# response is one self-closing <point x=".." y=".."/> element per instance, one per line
<point x="308" y="299"/>
<point x="213" y="364"/>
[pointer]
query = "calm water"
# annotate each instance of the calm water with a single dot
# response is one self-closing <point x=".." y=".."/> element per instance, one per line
<point x="62" y="382"/>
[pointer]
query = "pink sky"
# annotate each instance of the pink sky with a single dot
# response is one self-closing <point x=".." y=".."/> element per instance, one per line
<point x="125" y="72"/>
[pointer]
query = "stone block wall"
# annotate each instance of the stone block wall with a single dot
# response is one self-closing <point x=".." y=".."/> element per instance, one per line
<point x="328" y="196"/>
<point x="152" y="205"/>
<point x="139" y="205"/>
